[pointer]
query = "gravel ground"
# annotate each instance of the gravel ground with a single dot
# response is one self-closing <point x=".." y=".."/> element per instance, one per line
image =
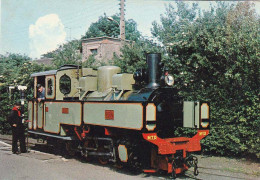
<point x="54" y="166"/>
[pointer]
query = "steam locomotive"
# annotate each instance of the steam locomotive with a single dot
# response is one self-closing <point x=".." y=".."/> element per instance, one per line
<point x="126" y="119"/>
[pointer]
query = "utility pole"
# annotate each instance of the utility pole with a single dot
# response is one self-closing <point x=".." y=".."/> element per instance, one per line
<point x="70" y="31"/>
<point x="122" y="20"/>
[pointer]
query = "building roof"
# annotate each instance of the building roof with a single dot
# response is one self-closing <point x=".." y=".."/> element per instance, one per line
<point x="45" y="61"/>
<point x="102" y="38"/>
<point x="69" y="66"/>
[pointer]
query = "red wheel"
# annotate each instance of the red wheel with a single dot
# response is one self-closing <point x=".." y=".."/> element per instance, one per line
<point x="102" y="160"/>
<point x="119" y="165"/>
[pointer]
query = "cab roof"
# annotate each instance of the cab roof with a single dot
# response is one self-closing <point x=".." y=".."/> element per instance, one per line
<point x="44" y="73"/>
<point x="54" y="72"/>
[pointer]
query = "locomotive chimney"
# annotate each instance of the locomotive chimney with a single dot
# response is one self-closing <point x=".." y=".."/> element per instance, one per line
<point x="153" y="61"/>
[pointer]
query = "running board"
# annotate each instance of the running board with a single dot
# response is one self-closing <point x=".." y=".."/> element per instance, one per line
<point x="68" y="138"/>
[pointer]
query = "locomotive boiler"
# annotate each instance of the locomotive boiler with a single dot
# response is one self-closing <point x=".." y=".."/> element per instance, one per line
<point x="126" y="119"/>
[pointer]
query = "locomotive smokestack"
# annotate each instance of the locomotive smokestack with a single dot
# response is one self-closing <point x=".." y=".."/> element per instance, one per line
<point x="153" y="61"/>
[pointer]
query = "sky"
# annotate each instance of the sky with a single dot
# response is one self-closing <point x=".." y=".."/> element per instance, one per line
<point x="34" y="27"/>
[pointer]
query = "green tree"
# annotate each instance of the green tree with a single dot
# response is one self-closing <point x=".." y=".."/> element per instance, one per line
<point x="215" y="57"/>
<point x="92" y="63"/>
<point x="104" y="27"/>
<point x="15" y="69"/>
<point x="68" y="53"/>
<point x="133" y="55"/>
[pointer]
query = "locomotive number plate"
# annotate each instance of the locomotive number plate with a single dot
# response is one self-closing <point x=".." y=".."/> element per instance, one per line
<point x="202" y="133"/>
<point x="151" y="137"/>
<point x="109" y="114"/>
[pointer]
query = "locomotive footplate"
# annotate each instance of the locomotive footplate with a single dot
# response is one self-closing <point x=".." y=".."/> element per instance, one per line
<point x="67" y="138"/>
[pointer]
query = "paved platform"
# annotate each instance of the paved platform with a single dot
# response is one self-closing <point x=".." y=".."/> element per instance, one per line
<point x="42" y="163"/>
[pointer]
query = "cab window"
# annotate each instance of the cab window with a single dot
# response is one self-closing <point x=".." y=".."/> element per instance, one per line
<point x="50" y="87"/>
<point x="65" y="84"/>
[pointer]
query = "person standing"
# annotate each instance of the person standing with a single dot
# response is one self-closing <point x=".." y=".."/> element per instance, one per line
<point x="18" y="129"/>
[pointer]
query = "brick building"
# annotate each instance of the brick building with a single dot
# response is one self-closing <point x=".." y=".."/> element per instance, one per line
<point x="102" y="48"/>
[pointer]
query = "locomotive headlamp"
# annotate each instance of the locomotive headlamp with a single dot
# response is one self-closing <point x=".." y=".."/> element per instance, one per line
<point x="169" y="80"/>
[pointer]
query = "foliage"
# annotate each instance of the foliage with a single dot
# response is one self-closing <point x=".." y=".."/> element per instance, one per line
<point x="91" y="62"/>
<point x="49" y="54"/>
<point x="15" y="69"/>
<point x="104" y="27"/>
<point x="68" y="53"/>
<point x="215" y="58"/>
<point x="134" y="55"/>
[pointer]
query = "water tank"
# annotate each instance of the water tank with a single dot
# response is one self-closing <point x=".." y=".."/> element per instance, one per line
<point x="105" y="74"/>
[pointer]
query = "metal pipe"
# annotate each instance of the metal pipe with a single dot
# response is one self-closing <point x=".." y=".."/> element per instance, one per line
<point x="53" y="136"/>
<point x="100" y="154"/>
<point x="100" y="138"/>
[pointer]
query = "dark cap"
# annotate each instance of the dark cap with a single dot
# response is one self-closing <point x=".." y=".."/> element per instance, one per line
<point x="17" y="103"/>
<point x="38" y="86"/>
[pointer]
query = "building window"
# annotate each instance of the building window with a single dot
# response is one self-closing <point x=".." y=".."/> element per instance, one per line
<point x="93" y="51"/>
<point x="65" y="84"/>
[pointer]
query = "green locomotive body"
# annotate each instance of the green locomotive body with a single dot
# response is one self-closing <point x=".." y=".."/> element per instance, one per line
<point x="123" y="118"/>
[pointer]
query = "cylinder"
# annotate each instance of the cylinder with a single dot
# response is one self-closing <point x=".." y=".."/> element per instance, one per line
<point x="153" y="61"/>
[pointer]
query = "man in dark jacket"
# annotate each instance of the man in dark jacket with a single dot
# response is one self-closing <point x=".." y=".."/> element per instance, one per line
<point x="18" y="128"/>
<point x="41" y="92"/>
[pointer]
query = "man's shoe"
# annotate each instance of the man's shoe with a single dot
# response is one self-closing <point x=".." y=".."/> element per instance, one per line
<point x="16" y="152"/>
